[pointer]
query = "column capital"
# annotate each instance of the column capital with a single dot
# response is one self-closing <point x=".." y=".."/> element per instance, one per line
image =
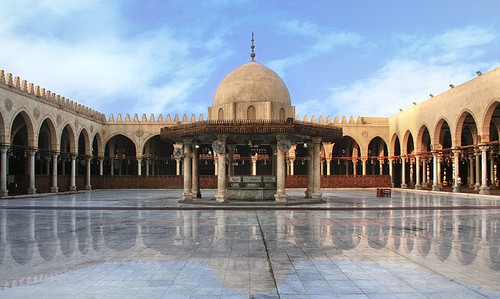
<point x="187" y="141"/>
<point x="316" y="140"/>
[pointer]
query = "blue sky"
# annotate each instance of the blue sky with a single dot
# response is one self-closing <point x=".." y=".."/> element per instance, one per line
<point x="359" y="58"/>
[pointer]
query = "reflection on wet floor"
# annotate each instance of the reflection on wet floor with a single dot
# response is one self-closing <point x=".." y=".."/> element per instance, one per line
<point x="206" y="253"/>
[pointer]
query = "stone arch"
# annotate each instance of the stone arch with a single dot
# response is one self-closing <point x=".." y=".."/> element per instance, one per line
<point x="251" y="113"/>
<point x="377" y="156"/>
<point x="466" y="132"/>
<point x="491" y="118"/>
<point x="157" y="153"/>
<point x="3" y="132"/>
<point x="408" y="143"/>
<point x="121" y="152"/>
<point x="442" y="135"/>
<point x="220" y="114"/>
<point x="48" y="128"/>
<point x="347" y="153"/>
<point x="68" y="140"/>
<point x="423" y="142"/>
<point x="84" y="145"/>
<point x="23" y="124"/>
<point x="97" y="148"/>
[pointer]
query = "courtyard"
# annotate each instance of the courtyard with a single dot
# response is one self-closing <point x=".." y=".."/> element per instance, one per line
<point x="145" y="244"/>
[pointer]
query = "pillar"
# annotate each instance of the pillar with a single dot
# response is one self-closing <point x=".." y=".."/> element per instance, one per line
<point x="280" y="195"/>
<point x="3" y="171"/>
<point x="435" y="174"/>
<point x="254" y="160"/>
<point x="492" y="170"/>
<point x="381" y="166"/>
<point x="148" y="161"/>
<point x="88" y="160"/>
<point x="221" y="195"/>
<point x="31" y="174"/>
<point x="439" y="168"/>
<point x="418" y="184"/>
<point x="292" y="166"/>
<point x="354" y="167"/>
<point x="112" y="163"/>
<point x="484" y="189"/>
<point x="187" y="194"/>
<point x="195" y="189"/>
<point x="72" y="184"/>
<point x="470" y="178"/>
<point x="411" y="161"/>
<point x="139" y="166"/>
<point x="317" y="168"/>
<point x="310" y="172"/>
<point x="363" y="163"/>
<point x="328" y="165"/>
<point x="456" y="169"/>
<point x="230" y="158"/>
<point x="101" y="166"/>
<point x="178" y="166"/>
<point x="477" y="153"/>
<point x="391" y="169"/>
<point x="54" y="187"/>
<point x="403" y="173"/>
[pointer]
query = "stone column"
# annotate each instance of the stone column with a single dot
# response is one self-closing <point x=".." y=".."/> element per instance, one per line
<point x="381" y="166"/>
<point x="187" y="194"/>
<point x="88" y="186"/>
<point x="139" y="166"/>
<point x="391" y="170"/>
<point x="3" y="171"/>
<point x="435" y="174"/>
<point x="216" y="164"/>
<point x="410" y="183"/>
<point x="196" y="173"/>
<point x="418" y="184"/>
<point x="254" y="160"/>
<point x="230" y="158"/>
<point x="354" y="167"/>
<point x="54" y="188"/>
<point x="101" y="166"/>
<point x="317" y="168"/>
<point x="292" y="166"/>
<point x="178" y="166"/>
<point x="484" y="189"/>
<point x="280" y="195"/>
<point x="439" y="164"/>
<point x="363" y="163"/>
<point x="310" y="172"/>
<point x="477" y="153"/>
<point x="470" y="168"/>
<point x="219" y="147"/>
<point x="456" y="169"/>
<point x="112" y="163"/>
<point x="147" y="166"/>
<point x="31" y="174"/>
<point x="328" y="165"/>
<point x="492" y="170"/>
<point x="72" y="184"/>
<point x="403" y="173"/>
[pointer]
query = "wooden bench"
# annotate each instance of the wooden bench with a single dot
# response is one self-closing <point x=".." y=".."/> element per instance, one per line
<point x="383" y="192"/>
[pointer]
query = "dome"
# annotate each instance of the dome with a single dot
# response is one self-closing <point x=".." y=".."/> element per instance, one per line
<point x="251" y="82"/>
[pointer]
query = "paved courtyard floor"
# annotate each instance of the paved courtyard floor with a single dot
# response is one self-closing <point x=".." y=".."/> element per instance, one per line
<point x="145" y="244"/>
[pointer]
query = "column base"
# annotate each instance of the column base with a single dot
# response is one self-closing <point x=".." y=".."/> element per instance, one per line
<point x="4" y="193"/>
<point x="32" y="191"/>
<point x="485" y="190"/>
<point x="196" y="194"/>
<point x="477" y="187"/>
<point x="187" y="196"/>
<point x="88" y="187"/>
<point x="436" y="188"/>
<point x="72" y="188"/>
<point x="221" y="197"/>
<point x="54" y="189"/>
<point x="456" y="189"/>
<point x="404" y="186"/>
<point x="280" y="197"/>
<point x="418" y="187"/>
<point x="316" y="195"/>
<point x="308" y="194"/>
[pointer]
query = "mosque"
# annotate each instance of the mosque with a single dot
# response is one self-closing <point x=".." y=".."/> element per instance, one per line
<point x="253" y="142"/>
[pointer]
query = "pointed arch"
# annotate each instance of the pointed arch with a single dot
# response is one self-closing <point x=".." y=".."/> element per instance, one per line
<point x="466" y="132"/>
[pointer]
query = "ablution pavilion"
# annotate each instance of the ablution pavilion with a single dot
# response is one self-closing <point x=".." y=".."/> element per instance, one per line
<point x="252" y="146"/>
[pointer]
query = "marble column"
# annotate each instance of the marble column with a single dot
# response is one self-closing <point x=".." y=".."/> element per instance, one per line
<point x="484" y="189"/>
<point x="3" y="171"/>
<point x="88" y="161"/>
<point x="403" y="173"/>
<point x="477" y="153"/>
<point x="221" y="195"/>
<point x="317" y="168"/>
<point x="381" y="166"/>
<point x="456" y="169"/>
<point x="391" y="171"/>
<point x="187" y="194"/>
<point x="492" y="170"/>
<point x="139" y="166"/>
<point x="363" y="163"/>
<point x="411" y="162"/>
<point x="292" y="166"/>
<point x="112" y="166"/>
<point x="354" y="167"/>
<point x="435" y="174"/>
<point x="310" y="172"/>
<point x="254" y="159"/>
<point x="439" y="169"/>
<point x="178" y="166"/>
<point x="328" y="165"/>
<point x="72" y="184"/>
<point x="230" y="159"/>
<point x="148" y="161"/>
<point x="31" y="174"/>
<point x="54" y="188"/>
<point x="195" y="189"/>
<point x="101" y="166"/>
<point x="280" y="195"/>
<point x="470" y="168"/>
<point x="418" y="184"/>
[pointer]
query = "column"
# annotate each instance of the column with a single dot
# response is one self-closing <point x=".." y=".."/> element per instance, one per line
<point x="354" y="166"/>
<point x="328" y="165"/>
<point x="391" y="169"/>
<point x="139" y="166"/>
<point x="410" y="183"/>
<point x="216" y="164"/>
<point x="381" y="166"/>
<point x="292" y="166"/>
<point x="456" y="169"/>
<point x="418" y="184"/>
<point x="219" y="147"/>
<point x="112" y="163"/>
<point x="54" y="187"/>
<point x="363" y="163"/>
<point x="195" y="189"/>
<point x="317" y="168"/>
<point x="88" y="161"/>
<point x="492" y="170"/>
<point x="439" y="164"/>
<point x="101" y="166"/>
<point x="310" y="172"/>
<point x="72" y="184"/>
<point x="254" y="160"/>
<point x="435" y="174"/>
<point x="178" y="166"/>
<point x="280" y="195"/>
<point x="3" y="171"/>
<point x="484" y="189"/>
<point x="187" y="194"/>
<point x="403" y="173"/>
<point x="148" y="161"/>
<point x="31" y="174"/>
<point x="470" y="178"/>
<point x="477" y="153"/>
<point x="230" y="158"/>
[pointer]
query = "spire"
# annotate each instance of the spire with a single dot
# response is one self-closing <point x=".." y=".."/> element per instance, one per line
<point x="252" y="55"/>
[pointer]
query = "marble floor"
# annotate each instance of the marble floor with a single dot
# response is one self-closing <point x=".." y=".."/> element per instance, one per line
<point x="145" y="244"/>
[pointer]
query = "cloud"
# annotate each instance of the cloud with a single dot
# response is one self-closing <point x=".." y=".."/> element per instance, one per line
<point x="421" y="66"/>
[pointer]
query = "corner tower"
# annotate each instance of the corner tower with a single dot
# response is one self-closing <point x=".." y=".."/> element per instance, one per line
<point x="252" y="91"/>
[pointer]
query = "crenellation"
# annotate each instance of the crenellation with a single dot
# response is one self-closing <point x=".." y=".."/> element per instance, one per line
<point x="351" y="119"/>
<point x="160" y="118"/>
<point x="336" y="119"/>
<point x="31" y="88"/>
<point x="344" y="120"/>
<point x="152" y="117"/>
<point x="184" y="118"/>
<point x="328" y="119"/>
<point x="176" y="118"/>
<point x="24" y="85"/>
<point x="111" y="118"/>
<point x="305" y="118"/>
<point x="8" y="79"/>
<point x="136" y="118"/>
<point x="201" y="118"/>
<point x="193" y="118"/>
<point x="2" y="76"/>
<point x="119" y="119"/>
<point x="37" y="91"/>
<point x="127" y="117"/>
<point x="168" y="119"/>
<point x="321" y="121"/>
<point x="17" y="82"/>
<point x="313" y="119"/>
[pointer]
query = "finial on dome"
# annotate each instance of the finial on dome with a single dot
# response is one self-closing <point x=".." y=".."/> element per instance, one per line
<point x="252" y="55"/>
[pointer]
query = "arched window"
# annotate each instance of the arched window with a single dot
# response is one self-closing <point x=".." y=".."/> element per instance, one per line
<point x="220" y="115"/>
<point x="251" y="113"/>
<point x="282" y="114"/>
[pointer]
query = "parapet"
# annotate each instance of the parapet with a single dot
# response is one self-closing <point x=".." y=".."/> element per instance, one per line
<point x="153" y="119"/>
<point x="6" y="79"/>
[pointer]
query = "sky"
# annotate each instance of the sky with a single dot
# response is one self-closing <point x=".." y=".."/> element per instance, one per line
<point x="337" y="58"/>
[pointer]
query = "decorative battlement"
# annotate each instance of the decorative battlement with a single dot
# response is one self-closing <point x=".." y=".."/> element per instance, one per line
<point x="154" y="119"/>
<point x="359" y="120"/>
<point x="29" y="88"/>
